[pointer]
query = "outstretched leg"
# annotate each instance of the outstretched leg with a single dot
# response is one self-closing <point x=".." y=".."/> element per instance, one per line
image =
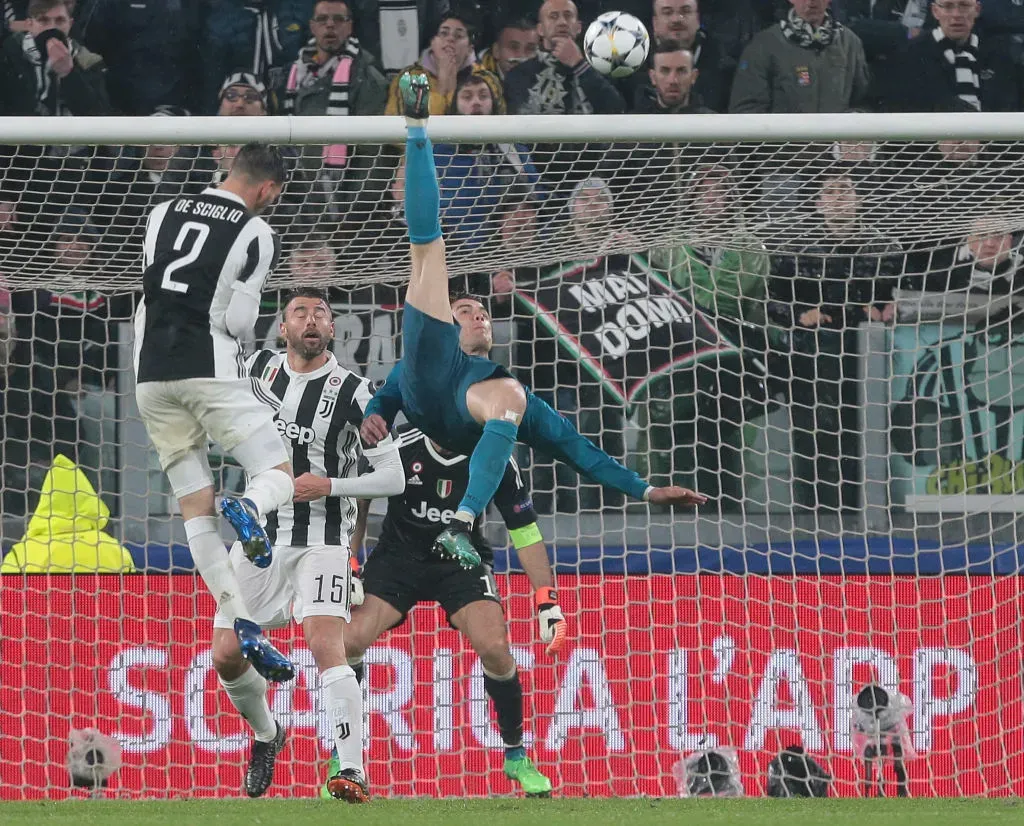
<point x="428" y="284"/>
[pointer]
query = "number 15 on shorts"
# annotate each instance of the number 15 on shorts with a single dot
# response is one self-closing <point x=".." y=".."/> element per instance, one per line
<point x="337" y="589"/>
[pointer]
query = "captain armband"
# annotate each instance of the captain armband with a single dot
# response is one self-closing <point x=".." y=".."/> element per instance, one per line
<point x="521" y="537"/>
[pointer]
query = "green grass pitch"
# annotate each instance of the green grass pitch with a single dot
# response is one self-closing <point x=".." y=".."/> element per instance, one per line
<point x="588" y="812"/>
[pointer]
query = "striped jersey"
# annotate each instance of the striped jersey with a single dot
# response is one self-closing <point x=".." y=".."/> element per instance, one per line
<point x="318" y="415"/>
<point x="197" y="252"/>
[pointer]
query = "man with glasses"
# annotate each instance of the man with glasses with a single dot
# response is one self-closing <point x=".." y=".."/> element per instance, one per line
<point x="952" y="68"/>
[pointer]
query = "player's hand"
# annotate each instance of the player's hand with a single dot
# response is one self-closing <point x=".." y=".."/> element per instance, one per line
<point x="356" y="595"/>
<point x="553" y="628"/>
<point x="60" y="58"/>
<point x="373" y="429"/>
<point x="566" y="51"/>
<point x="814" y="317"/>
<point x="673" y="495"/>
<point x="309" y="487"/>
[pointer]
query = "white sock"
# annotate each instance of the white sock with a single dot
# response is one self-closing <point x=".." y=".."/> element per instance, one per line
<point x="214" y="564"/>
<point x="249" y="695"/>
<point x="269" y="490"/>
<point x="344" y="701"/>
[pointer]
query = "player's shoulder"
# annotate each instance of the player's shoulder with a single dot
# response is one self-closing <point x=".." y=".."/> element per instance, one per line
<point x="348" y="381"/>
<point x="409" y="436"/>
<point x="263" y="363"/>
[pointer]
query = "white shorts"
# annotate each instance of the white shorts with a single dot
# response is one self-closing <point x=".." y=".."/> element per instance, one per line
<point x="311" y="581"/>
<point x="181" y="416"/>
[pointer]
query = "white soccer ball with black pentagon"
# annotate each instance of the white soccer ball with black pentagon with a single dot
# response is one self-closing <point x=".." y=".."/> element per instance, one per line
<point x="616" y="44"/>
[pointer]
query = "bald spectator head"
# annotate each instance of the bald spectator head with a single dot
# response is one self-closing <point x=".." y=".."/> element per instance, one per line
<point x="956" y="17"/>
<point x="557" y="20"/>
<point x="677" y="20"/>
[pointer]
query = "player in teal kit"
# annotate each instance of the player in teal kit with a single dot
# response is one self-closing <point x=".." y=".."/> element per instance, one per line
<point x="452" y="392"/>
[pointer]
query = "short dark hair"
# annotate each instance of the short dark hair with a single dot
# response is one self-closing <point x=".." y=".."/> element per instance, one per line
<point x="521" y="23"/>
<point x="463" y="295"/>
<point x="666" y="47"/>
<point x="260" y="162"/>
<point x="38" y="7"/>
<point x="304" y="292"/>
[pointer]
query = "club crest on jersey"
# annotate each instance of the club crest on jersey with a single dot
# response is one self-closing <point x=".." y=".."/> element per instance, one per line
<point x="329" y="398"/>
<point x="444" y="488"/>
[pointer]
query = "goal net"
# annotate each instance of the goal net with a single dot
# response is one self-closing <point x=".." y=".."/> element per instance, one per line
<point x="815" y="323"/>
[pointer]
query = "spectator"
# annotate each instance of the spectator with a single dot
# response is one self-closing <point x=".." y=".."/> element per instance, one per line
<point x="808" y="63"/>
<point x="696" y="418"/>
<point x="516" y="43"/>
<point x="559" y="80"/>
<point x="986" y="262"/>
<point x="679" y="22"/>
<point x="150" y="49"/>
<point x="951" y="68"/>
<point x="673" y="83"/>
<point x="262" y="35"/>
<point x="336" y="76"/>
<point x="449" y="57"/>
<point x="43" y="72"/>
<point x="392" y="30"/>
<point x="817" y="296"/>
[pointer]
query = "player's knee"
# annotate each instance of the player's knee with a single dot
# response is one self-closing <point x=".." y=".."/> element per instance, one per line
<point x="227" y="657"/>
<point x="325" y="638"/>
<point x="496" y="657"/>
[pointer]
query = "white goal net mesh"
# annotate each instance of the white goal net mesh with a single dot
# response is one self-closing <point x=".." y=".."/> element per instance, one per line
<point x="823" y="337"/>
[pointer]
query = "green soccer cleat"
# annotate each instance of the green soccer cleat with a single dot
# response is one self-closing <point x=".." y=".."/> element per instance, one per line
<point x="415" y="91"/>
<point x="530" y="780"/>
<point x="454" y="543"/>
<point x="333" y="768"/>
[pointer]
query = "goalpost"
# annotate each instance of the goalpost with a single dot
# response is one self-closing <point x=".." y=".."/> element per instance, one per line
<point x="813" y="319"/>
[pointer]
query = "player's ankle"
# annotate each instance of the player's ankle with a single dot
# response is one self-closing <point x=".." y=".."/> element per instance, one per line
<point x="465" y="517"/>
<point x="515" y="752"/>
<point x="416" y="123"/>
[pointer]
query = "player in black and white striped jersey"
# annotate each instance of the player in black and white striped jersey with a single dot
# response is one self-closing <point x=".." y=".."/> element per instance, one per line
<point x="205" y="261"/>
<point x="318" y="408"/>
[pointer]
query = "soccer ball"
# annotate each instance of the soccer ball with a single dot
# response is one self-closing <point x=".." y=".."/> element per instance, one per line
<point x="616" y="44"/>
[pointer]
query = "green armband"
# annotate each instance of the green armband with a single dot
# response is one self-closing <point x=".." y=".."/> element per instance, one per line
<point x="521" y="537"/>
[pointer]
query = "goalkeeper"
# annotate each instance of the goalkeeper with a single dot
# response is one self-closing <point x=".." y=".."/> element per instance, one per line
<point x="403" y="570"/>
<point x="462" y="400"/>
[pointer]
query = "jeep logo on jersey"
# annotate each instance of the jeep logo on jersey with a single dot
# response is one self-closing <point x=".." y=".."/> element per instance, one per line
<point x="299" y="435"/>
<point x="421" y="511"/>
<point x="444" y="488"/>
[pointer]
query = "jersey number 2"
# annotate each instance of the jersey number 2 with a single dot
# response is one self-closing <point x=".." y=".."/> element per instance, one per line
<point x="193" y="253"/>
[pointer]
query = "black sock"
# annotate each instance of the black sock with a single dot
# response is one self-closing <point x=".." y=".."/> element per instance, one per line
<point x="359" y="668"/>
<point x="507" y="696"/>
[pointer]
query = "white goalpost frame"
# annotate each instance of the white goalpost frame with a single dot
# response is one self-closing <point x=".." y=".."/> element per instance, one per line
<point x="740" y="530"/>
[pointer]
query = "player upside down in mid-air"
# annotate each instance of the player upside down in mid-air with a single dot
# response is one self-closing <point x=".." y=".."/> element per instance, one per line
<point x="468" y="403"/>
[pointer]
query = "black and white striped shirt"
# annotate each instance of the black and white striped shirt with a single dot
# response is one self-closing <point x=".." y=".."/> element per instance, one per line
<point x="197" y="253"/>
<point x="318" y="414"/>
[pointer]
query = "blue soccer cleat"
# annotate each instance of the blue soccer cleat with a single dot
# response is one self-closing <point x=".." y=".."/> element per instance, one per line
<point x="269" y="663"/>
<point x="245" y="519"/>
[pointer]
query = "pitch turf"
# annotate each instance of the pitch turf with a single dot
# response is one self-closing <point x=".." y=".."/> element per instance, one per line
<point x="590" y="812"/>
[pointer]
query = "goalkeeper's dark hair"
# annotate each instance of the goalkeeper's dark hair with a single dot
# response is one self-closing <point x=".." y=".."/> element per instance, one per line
<point x="305" y="292"/>
<point x="259" y="162"/>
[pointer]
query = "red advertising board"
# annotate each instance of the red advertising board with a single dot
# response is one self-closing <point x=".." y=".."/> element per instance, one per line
<point x="657" y="667"/>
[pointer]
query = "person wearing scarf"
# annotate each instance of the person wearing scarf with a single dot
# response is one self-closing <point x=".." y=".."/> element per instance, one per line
<point x="809" y="63"/>
<point x="952" y="68"/>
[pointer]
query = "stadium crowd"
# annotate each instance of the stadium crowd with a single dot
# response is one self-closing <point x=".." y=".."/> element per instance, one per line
<point x="81" y="209"/>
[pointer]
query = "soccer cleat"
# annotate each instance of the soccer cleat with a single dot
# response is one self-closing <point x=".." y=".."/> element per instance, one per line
<point x="245" y="519"/>
<point x="269" y="663"/>
<point x="454" y="542"/>
<point x="333" y="768"/>
<point x="349" y="785"/>
<point x="261" y="763"/>
<point x="530" y="780"/>
<point x="415" y="91"/>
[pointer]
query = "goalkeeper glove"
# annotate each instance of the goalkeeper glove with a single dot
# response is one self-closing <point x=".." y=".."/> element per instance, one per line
<point x="553" y="628"/>
<point x="355" y="586"/>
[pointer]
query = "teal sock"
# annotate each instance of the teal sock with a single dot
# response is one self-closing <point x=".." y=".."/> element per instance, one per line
<point x="487" y="464"/>
<point x="515" y="753"/>
<point x="422" y="196"/>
